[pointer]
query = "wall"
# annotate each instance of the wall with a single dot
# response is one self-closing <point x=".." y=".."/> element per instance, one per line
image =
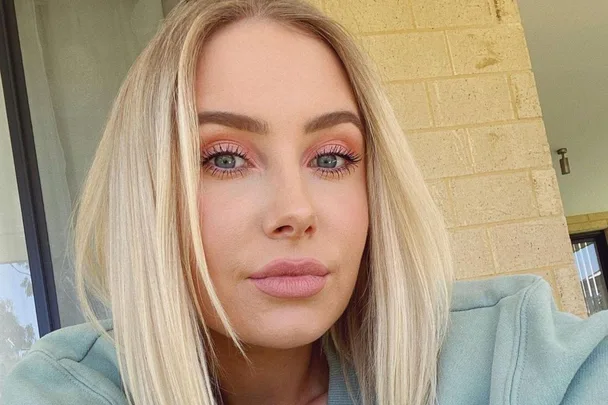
<point x="459" y="75"/>
<point x="595" y="221"/>
<point x="569" y="52"/>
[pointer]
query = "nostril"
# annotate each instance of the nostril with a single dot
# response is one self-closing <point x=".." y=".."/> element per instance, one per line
<point x="284" y="228"/>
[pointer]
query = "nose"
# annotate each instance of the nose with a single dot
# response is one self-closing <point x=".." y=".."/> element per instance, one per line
<point x="291" y="214"/>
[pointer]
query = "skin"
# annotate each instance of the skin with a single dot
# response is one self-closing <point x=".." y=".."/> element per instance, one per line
<point x="283" y="201"/>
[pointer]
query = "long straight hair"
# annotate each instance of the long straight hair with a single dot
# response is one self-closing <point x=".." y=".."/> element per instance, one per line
<point x="137" y="235"/>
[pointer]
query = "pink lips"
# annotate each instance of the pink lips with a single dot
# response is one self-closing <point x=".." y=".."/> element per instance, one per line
<point x="288" y="278"/>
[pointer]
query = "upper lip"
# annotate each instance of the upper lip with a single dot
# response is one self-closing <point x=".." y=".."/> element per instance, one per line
<point x="291" y="267"/>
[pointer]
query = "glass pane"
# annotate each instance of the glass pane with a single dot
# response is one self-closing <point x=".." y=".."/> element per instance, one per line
<point x="591" y="275"/>
<point x="75" y="55"/>
<point x="18" y="324"/>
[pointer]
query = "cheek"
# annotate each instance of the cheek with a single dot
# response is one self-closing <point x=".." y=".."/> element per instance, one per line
<point x="347" y="211"/>
<point x="346" y="228"/>
<point x="214" y="230"/>
<point x="223" y="219"/>
<point x="222" y="225"/>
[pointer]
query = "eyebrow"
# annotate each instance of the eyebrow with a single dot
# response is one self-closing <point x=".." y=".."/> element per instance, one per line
<point x="250" y="124"/>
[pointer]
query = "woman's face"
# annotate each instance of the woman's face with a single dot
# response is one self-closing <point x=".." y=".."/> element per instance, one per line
<point x="279" y="182"/>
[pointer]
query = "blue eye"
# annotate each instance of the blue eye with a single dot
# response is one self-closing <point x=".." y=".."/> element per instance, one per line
<point x="227" y="161"/>
<point x="334" y="161"/>
<point x="330" y="160"/>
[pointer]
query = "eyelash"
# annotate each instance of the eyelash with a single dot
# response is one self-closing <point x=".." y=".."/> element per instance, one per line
<point x="351" y="160"/>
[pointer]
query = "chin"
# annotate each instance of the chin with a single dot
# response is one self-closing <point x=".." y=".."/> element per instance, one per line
<point x="283" y="339"/>
<point x="285" y="329"/>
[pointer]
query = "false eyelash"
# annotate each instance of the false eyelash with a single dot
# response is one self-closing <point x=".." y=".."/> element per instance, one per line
<point x="337" y="150"/>
<point x="218" y="150"/>
<point x="351" y="161"/>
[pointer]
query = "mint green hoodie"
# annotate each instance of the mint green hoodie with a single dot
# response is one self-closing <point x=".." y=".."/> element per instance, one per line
<point x="507" y="345"/>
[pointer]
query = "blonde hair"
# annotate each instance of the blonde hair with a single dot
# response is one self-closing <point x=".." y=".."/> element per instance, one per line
<point x="137" y="227"/>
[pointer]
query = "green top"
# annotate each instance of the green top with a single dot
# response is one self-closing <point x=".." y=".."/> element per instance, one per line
<point x="507" y="344"/>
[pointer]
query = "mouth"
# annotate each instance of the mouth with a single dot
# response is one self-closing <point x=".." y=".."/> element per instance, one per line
<point x="289" y="278"/>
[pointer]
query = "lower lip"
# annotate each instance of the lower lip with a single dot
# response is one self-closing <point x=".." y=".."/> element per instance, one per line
<point x="290" y="286"/>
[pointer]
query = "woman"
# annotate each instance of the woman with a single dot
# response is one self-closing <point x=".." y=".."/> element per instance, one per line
<point x="256" y="129"/>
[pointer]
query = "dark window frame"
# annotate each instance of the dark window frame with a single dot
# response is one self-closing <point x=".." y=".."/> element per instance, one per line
<point x="601" y="242"/>
<point x="26" y="169"/>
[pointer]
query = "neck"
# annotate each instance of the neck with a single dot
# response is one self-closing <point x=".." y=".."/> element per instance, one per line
<point x="276" y="376"/>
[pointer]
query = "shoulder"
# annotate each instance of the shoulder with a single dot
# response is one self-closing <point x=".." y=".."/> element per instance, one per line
<point x="75" y="364"/>
<point x="475" y="294"/>
<point x="509" y="343"/>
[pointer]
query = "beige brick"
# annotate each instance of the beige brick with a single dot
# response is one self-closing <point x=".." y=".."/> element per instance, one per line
<point x="361" y="16"/>
<point x="411" y="104"/>
<point x="588" y="226"/>
<point x="535" y="243"/>
<point x="472" y="253"/>
<point x="506" y="11"/>
<point x="547" y="192"/>
<point x="513" y="146"/>
<point x="492" y="198"/>
<point x="494" y="49"/>
<point x="526" y="96"/>
<point x="442" y="154"/>
<point x="576" y="219"/>
<point x="471" y="100"/>
<point x="448" y="13"/>
<point x="570" y="291"/>
<point x="409" y="56"/>
<point x="546" y="274"/>
<point x="317" y="3"/>
<point x="598" y="216"/>
<point x="439" y="192"/>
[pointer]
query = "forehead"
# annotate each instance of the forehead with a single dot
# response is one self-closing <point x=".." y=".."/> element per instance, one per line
<point x="257" y="66"/>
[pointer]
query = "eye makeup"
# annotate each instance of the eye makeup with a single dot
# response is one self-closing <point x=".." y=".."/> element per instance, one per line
<point x="340" y="159"/>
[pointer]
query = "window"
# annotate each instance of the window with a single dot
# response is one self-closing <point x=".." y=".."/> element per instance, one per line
<point x="591" y="256"/>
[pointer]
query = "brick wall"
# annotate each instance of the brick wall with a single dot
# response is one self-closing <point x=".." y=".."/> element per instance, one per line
<point x="596" y="221"/>
<point x="459" y="76"/>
